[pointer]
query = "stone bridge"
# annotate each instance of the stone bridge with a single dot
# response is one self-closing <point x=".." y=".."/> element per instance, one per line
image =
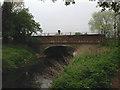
<point x="73" y="41"/>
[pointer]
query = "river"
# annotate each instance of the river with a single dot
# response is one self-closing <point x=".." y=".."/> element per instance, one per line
<point x="39" y="75"/>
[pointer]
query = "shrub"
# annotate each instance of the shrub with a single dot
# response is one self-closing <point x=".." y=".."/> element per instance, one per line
<point x="92" y="70"/>
<point x="35" y="43"/>
<point x="14" y="56"/>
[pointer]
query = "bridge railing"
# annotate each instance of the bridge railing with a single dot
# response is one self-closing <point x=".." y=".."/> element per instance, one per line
<point x="64" y="33"/>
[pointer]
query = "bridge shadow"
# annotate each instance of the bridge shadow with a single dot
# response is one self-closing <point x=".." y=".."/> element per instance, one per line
<point x="59" y="51"/>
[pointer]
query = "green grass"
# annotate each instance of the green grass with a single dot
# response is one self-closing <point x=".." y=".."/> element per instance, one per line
<point x="91" y="70"/>
<point x="14" y="56"/>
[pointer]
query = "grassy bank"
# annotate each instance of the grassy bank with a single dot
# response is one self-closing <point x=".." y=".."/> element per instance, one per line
<point x="90" y="70"/>
<point x="13" y="56"/>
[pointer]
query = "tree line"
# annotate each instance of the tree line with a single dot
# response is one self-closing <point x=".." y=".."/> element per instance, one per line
<point x="107" y="21"/>
<point x="17" y="23"/>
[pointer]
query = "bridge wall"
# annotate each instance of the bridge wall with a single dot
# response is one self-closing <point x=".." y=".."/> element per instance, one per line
<point x="97" y="38"/>
<point x="74" y="41"/>
<point x="43" y="47"/>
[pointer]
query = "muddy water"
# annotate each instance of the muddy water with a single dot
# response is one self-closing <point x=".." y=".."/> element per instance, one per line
<point x="41" y="82"/>
<point x="39" y="75"/>
<point x="53" y="69"/>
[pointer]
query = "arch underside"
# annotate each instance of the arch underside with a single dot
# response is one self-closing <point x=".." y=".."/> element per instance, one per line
<point x="59" y="51"/>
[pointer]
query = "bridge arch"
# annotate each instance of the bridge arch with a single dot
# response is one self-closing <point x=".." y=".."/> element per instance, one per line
<point x="59" y="51"/>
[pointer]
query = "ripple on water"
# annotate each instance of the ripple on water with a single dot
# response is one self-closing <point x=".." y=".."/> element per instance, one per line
<point x="43" y="83"/>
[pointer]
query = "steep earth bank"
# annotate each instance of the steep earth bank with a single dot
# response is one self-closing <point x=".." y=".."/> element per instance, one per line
<point x="41" y="74"/>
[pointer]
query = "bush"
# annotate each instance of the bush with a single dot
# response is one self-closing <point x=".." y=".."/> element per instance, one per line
<point x="13" y="56"/>
<point x="92" y="70"/>
<point x="110" y="43"/>
<point x="34" y="42"/>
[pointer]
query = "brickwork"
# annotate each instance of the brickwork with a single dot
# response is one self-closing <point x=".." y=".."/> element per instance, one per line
<point x="96" y="38"/>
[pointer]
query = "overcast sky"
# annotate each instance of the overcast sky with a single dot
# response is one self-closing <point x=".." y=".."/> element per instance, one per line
<point x="54" y="16"/>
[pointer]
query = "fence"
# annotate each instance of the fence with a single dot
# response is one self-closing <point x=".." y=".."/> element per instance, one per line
<point x="64" y="33"/>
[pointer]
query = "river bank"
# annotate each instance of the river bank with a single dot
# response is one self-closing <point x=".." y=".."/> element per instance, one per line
<point x="41" y="72"/>
<point x="39" y="75"/>
<point x="91" y="70"/>
<point x="36" y="72"/>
